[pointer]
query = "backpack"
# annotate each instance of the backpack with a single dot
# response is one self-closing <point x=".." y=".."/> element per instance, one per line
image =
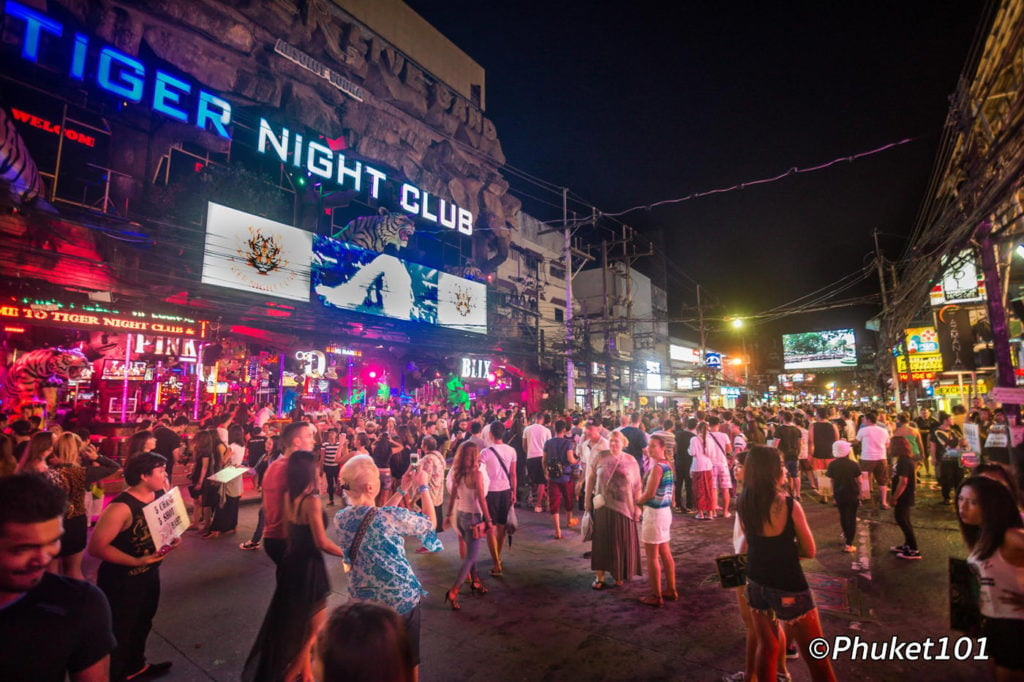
<point x="558" y="462"/>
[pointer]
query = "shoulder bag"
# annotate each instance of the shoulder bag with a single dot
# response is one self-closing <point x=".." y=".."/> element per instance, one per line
<point x="512" y="521"/>
<point x="357" y="539"/>
<point x="599" y="500"/>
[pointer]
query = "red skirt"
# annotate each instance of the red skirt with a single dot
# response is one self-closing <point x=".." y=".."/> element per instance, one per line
<point x="703" y="490"/>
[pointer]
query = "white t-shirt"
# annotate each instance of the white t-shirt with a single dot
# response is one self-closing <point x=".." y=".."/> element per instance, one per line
<point x="706" y="460"/>
<point x="585" y="450"/>
<point x="874" y="440"/>
<point x="534" y="436"/>
<point x="263" y="416"/>
<point x="489" y="459"/>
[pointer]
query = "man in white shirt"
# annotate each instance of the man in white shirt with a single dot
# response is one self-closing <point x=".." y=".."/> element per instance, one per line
<point x="499" y="461"/>
<point x="534" y="437"/>
<point x="874" y="445"/>
<point x="263" y="415"/>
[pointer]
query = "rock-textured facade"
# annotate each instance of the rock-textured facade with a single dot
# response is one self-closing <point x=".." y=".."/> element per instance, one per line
<point x="407" y="120"/>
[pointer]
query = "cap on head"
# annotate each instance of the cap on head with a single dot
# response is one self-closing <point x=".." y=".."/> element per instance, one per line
<point x="840" y="448"/>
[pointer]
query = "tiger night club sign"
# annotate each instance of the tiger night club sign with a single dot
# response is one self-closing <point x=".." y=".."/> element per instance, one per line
<point x="45" y="41"/>
<point x="322" y="161"/>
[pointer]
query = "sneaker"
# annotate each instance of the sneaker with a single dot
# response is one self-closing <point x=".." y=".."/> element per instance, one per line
<point x="249" y="545"/>
<point x="792" y="652"/>
<point x="909" y="554"/>
<point x="899" y="548"/>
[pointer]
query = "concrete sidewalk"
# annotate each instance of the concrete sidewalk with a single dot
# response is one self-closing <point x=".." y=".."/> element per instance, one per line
<point x="542" y="620"/>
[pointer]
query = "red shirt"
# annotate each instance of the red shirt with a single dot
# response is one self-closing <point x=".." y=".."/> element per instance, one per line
<point x="275" y="485"/>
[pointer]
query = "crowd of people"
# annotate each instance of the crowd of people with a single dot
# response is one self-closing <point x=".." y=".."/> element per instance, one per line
<point x="620" y="478"/>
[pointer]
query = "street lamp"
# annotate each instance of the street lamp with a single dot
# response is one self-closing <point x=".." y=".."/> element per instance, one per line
<point x="737" y="323"/>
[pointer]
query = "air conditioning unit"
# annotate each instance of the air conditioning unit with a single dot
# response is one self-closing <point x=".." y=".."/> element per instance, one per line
<point x="624" y="343"/>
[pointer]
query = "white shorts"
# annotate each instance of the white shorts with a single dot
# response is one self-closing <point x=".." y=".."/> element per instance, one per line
<point x="721" y="476"/>
<point x="656" y="525"/>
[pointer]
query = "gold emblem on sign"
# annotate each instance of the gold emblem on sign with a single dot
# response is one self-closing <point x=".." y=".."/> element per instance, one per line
<point x="264" y="253"/>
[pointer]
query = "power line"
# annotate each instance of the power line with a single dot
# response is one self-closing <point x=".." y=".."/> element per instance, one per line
<point x="751" y="183"/>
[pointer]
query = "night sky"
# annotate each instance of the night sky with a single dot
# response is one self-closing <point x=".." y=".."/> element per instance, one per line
<point x="633" y="103"/>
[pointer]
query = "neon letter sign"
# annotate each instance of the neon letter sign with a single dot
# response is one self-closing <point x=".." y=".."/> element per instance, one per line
<point x="123" y="75"/>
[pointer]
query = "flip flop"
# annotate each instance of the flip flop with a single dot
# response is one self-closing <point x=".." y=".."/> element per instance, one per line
<point x="496" y="572"/>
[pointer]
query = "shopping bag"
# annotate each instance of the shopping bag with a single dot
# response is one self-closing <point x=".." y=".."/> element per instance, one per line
<point x="587" y="527"/>
<point x="732" y="570"/>
<point x="865" y="486"/>
<point x="824" y="483"/>
<point x="511" y="524"/>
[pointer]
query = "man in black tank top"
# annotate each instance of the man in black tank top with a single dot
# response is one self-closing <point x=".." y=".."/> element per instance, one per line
<point x="129" y="574"/>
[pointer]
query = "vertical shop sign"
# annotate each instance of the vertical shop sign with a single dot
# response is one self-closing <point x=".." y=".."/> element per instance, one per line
<point x="956" y="339"/>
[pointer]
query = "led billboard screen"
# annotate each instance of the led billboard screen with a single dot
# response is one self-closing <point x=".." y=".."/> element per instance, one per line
<point x="347" y="277"/>
<point x="819" y="350"/>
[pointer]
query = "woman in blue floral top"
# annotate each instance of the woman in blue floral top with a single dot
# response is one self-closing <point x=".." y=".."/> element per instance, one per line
<point x="381" y="572"/>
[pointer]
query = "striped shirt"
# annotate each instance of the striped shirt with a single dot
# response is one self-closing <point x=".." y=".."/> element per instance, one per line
<point x="330" y="454"/>
<point x="666" y="487"/>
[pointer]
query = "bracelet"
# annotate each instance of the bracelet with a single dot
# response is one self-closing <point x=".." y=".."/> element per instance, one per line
<point x="402" y="492"/>
<point x="423" y="489"/>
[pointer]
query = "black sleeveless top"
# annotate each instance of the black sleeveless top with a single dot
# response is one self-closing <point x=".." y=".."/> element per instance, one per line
<point x="823" y="434"/>
<point x="774" y="561"/>
<point x="135" y="540"/>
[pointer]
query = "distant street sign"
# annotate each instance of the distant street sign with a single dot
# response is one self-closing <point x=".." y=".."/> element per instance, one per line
<point x="1014" y="396"/>
<point x="713" y="360"/>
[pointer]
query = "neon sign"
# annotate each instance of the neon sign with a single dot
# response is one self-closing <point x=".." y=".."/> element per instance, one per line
<point x="475" y="369"/>
<point x="314" y="364"/>
<point x="51" y="127"/>
<point x="319" y="159"/>
<point x="129" y="322"/>
<point x="125" y="76"/>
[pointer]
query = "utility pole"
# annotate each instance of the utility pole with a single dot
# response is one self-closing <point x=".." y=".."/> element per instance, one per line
<point x="997" y="317"/>
<point x="570" y="387"/>
<point x="703" y="351"/>
<point x="604" y="321"/>
<point x="890" y="334"/>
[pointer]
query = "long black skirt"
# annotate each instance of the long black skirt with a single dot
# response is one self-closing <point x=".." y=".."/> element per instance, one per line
<point x="226" y="518"/>
<point x="616" y="547"/>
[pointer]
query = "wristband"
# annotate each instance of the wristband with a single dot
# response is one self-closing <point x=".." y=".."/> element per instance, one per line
<point x="423" y="489"/>
<point x="402" y="492"/>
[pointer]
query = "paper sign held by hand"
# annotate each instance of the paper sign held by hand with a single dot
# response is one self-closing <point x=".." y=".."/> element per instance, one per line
<point x="228" y="473"/>
<point x="167" y="518"/>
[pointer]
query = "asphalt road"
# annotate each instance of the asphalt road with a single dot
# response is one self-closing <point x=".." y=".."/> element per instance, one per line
<point x="542" y="621"/>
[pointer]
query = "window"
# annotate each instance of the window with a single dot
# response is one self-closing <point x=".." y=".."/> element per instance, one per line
<point x="559" y="315"/>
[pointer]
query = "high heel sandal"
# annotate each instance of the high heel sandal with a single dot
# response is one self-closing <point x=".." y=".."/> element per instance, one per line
<point x="453" y="601"/>
<point x="653" y="600"/>
<point x="478" y="587"/>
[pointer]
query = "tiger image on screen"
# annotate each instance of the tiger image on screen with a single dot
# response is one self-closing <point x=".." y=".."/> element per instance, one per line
<point x="375" y="233"/>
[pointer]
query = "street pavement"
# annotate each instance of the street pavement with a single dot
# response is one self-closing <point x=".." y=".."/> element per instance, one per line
<point x="542" y="620"/>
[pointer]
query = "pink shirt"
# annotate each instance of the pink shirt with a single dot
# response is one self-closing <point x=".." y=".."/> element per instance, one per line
<point x="275" y="485"/>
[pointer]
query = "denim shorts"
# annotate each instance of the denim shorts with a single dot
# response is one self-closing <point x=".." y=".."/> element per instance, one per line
<point x="785" y="606"/>
<point x="792" y="467"/>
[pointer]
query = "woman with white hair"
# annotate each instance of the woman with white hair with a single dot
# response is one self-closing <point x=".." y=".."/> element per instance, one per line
<point x="373" y="540"/>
